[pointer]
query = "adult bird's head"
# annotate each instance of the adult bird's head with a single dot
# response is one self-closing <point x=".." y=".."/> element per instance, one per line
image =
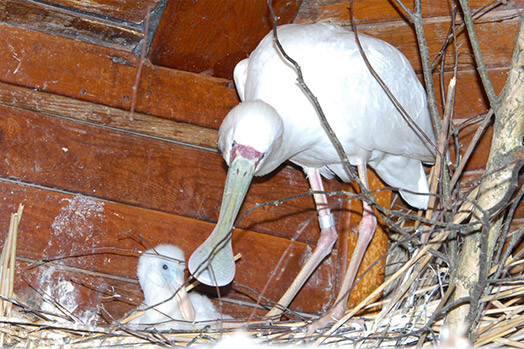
<point x="160" y="273"/>
<point x="250" y="140"/>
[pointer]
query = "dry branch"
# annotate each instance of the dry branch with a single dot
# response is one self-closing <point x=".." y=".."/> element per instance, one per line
<point x="506" y="150"/>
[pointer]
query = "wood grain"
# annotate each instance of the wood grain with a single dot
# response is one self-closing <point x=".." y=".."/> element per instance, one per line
<point x="380" y="11"/>
<point x="103" y="237"/>
<point x="106" y="76"/>
<point x="129" y="10"/>
<point x="64" y="22"/>
<point x="212" y="36"/>
<point x="98" y="114"/>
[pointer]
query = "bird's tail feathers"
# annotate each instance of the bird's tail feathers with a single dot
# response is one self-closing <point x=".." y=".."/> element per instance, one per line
<point x="408" y="176"/>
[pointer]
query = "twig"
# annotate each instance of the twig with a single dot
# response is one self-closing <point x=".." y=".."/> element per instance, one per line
<point x="420" y="133"/>
<point x="331" y="134"/>
<point x="471" y="147"/>
<point x="141" y="62"/>
<point x="416" y="19"/>
<point x="479" y="59"/>
<point x="452" y="33"/>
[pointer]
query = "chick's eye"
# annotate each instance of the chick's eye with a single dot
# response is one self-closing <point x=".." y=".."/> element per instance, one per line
<point x="164" y="267"/>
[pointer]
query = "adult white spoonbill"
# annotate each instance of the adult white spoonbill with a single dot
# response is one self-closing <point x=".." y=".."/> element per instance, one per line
<point x="166" y="303"/>
<point x="276" y="122"/>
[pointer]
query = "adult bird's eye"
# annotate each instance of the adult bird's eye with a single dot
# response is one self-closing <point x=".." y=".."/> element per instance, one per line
<point x="164" y="267"/>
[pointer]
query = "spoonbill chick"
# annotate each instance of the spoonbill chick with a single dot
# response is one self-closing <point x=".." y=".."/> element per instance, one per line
<point x="167" y="305"/>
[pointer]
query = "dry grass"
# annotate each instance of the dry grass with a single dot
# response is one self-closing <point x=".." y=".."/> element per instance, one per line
<point x="414" y="299"/>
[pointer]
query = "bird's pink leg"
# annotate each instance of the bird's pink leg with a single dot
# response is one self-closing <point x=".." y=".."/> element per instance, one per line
<point x="328" y="236"/>
<point x="366" y="230"/>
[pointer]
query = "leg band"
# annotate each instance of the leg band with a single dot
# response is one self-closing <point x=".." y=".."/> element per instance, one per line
<point x="326" y="221"/>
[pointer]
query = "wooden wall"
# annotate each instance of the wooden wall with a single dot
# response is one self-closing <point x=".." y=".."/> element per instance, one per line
<point x="100" y="183"/>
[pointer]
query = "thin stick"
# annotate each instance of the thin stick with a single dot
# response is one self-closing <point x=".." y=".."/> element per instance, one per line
<point x="416" y="19"/>
<point x="481" y="66"/>
<point x="140" y="63"/>
<point x="331" y="134"/>
<point x="385" y="88"/>
<point x="471" y="147"/>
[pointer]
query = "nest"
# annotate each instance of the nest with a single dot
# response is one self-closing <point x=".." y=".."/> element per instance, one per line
<point x="412" y="310"/>
<point x="422" y="280"/>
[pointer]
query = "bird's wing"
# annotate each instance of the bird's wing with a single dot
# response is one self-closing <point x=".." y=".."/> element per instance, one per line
<point x="406" y="174"/>
<point x="205" y="309"/>
<point x="240" y="77"/>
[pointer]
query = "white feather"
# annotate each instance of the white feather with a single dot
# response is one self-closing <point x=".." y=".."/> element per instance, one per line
<point x="239" y="76"/>
<point x="166" y="315"/>
<point x="370" y="128"/>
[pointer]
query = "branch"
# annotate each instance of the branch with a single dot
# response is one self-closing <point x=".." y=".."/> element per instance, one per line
<point x="388" y="92"/>
<point x="481" y="66"/>
<point x="495" y="191"/>
<point x="331" y="134"/>
<point x="416" y="19"/>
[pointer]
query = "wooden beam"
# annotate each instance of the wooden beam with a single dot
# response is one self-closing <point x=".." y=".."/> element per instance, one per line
<point x="212" y="36"/>
<point x="106" y="76"/>
<point x="380" y="11"/>
<point x="66" y="22"/>
<point x="130" y="10"/>
<point x="102" y="239"/>
<point x="97" y="114"/>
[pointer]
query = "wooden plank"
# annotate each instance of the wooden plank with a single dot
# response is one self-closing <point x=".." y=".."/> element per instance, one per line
<point x="212" y="36"/>
<point x="97" y="236"/>
<point x="102" y="75"/>
<point x="106" y="76"/>
<point x="129" y="10"/>
<point x="64" y="22"/>
<point x="380" y="11"/>
<point x="143" y="124"/>
<point x="496" y="36"/>
<point x="145" y="172"/>
<point x="470" y="99"/>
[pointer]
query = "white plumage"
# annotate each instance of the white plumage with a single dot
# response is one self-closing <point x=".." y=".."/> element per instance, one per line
<point x="276" y="122"/>
<point x="167" y="306"/>
<point x="368" y="125"/>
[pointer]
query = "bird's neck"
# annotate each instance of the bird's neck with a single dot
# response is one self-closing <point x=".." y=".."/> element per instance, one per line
<point x="162" y="301"/>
